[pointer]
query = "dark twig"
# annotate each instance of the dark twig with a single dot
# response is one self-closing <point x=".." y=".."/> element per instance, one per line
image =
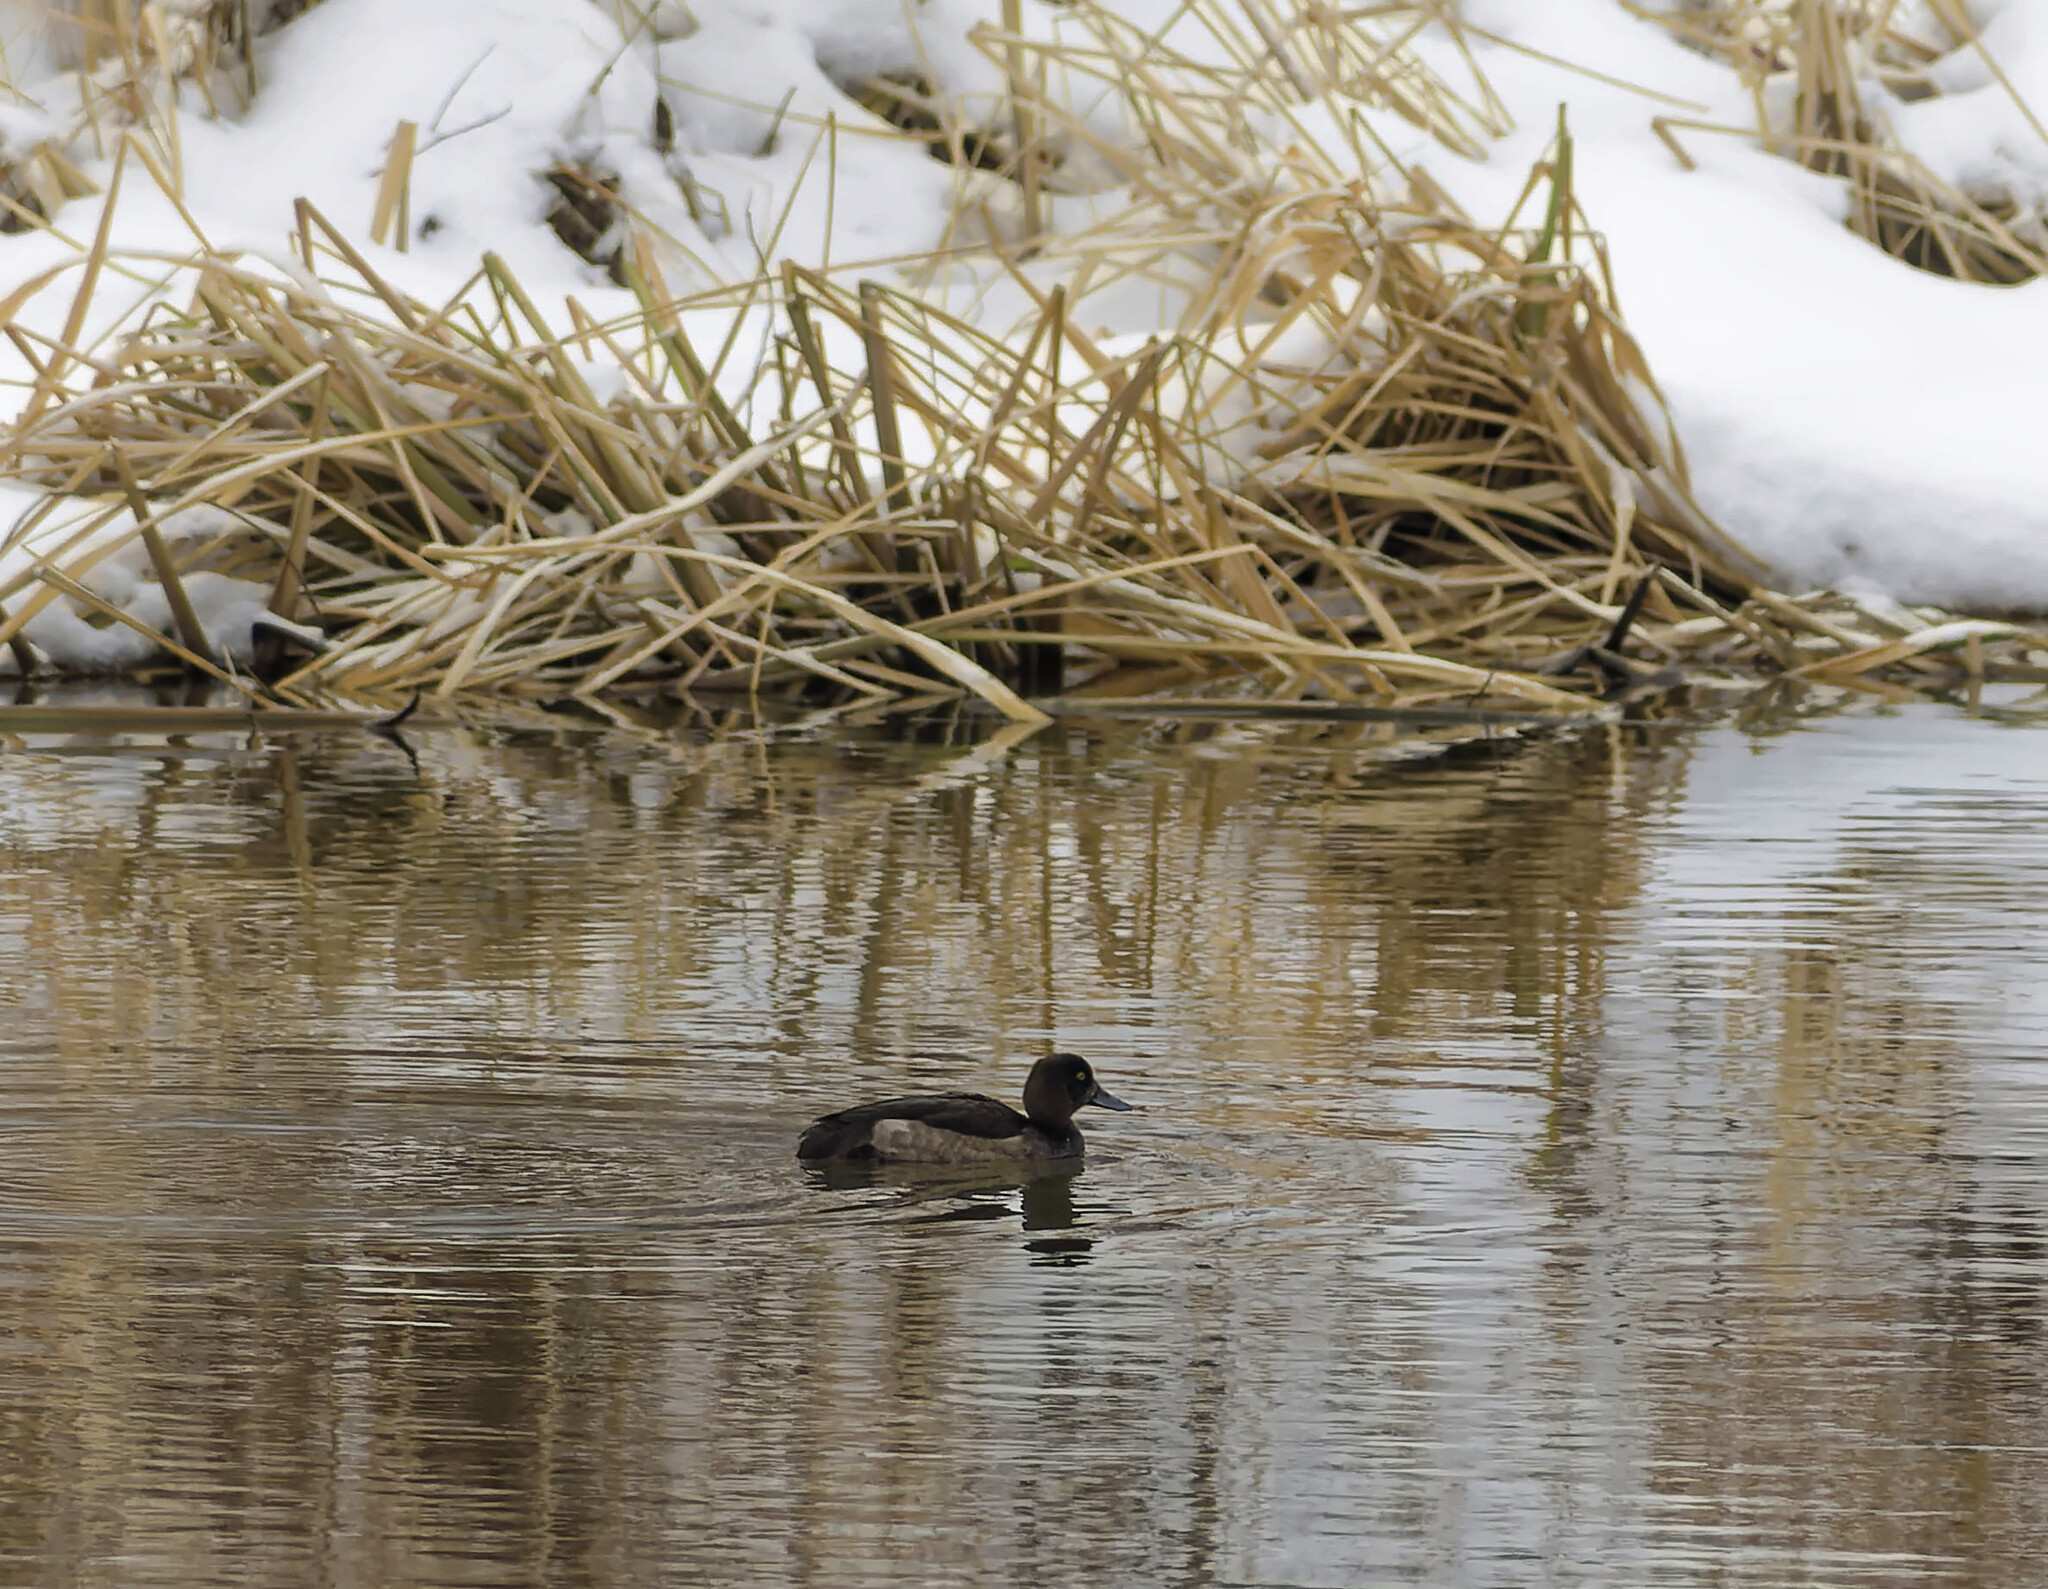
<point x="385" y="725"/>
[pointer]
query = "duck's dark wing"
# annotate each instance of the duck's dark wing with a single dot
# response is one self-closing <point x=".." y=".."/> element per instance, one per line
<point x="849" y="1134"/>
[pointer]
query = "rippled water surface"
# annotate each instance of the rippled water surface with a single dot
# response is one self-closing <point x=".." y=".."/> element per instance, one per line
<point x="1612" y="1159"/>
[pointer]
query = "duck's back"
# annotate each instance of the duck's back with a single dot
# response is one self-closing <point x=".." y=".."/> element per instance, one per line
<point x="936" y="1128"/>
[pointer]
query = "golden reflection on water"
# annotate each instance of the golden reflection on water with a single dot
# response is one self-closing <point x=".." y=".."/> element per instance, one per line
<point x="1601" y="1159"/>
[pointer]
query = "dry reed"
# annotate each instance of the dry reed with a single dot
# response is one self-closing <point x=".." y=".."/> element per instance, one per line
<point x="1387" y="457"/>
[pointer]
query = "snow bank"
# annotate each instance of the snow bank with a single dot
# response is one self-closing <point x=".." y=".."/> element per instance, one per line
<point x="1850" y="419"/>
<point x="1854" y="421"/>
<point x="94" y="540"/>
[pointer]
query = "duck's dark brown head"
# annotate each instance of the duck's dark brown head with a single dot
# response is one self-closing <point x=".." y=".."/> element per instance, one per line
<point x="1058" y="1085"/>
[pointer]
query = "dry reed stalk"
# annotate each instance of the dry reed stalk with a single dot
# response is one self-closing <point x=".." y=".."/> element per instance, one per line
<point x="394" y="188"/>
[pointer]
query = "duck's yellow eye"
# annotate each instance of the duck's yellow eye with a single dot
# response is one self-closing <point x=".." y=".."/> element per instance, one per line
<point x="1083" y="1074"/>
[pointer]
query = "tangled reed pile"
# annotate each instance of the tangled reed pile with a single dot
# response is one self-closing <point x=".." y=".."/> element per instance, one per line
<point x="1388" y="456"/>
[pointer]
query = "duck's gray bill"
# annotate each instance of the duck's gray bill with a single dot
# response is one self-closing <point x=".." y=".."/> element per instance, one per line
<point x="1103" y="1100"/>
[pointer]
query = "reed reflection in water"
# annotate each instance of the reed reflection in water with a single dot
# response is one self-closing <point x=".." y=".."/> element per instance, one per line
<point x="1605" y="1159"/>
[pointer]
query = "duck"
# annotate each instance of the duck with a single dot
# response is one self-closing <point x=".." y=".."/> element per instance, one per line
<point x="967" y="1127"/>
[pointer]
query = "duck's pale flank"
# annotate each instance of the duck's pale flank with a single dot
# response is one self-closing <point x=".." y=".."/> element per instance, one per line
<point x="967" y="1127"/>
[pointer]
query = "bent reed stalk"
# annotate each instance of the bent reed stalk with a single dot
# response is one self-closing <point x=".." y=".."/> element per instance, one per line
<point x="1387" y="456"/>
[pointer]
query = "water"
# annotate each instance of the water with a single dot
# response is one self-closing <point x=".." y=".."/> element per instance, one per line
<point x="1611" y="1159"/>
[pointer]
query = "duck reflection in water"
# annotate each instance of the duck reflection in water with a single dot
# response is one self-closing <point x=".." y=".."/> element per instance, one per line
<point x="973" y="1195"/>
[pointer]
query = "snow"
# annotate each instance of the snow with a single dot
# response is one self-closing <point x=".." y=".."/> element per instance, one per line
<point x="94" y="540"/>
<point x="1852" y="420"/>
